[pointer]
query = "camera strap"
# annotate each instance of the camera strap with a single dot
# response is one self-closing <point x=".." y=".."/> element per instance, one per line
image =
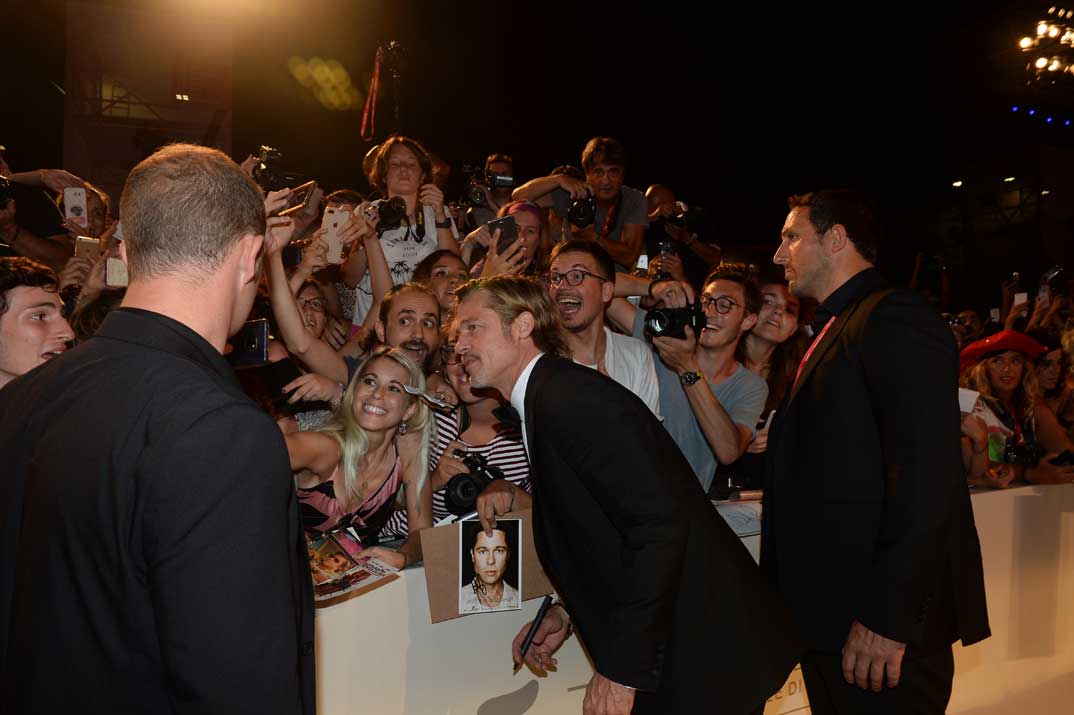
<point x="613" y="214"/>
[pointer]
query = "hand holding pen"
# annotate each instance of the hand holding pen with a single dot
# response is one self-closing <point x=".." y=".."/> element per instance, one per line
<point x="545" y="634"/>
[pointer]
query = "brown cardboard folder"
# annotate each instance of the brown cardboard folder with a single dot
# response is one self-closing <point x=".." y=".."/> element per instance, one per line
<point x="440" y="551"/>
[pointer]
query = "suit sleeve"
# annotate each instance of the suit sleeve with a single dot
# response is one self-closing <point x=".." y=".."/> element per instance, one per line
<point x="911" y="368"/>
<point x="218" y="545"/>
<point x="626" y="470"/>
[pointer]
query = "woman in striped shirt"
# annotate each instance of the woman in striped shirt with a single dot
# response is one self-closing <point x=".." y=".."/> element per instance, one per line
<point x="471" y="427"/>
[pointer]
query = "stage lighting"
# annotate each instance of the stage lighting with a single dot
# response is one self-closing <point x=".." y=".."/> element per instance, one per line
<point x="1009" y="179"/>
<point x="956" y="184"/>
<point x="1025" y="43"/>
<point x="1041" y="63"/>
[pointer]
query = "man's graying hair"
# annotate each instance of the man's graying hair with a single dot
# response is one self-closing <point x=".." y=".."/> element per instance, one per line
<point x="185" y="207"/>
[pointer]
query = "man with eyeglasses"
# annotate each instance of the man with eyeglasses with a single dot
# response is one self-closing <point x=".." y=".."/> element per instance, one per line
<point x="621" y="214"/>
<point x="581" y="283"/>
<point x="715" y="425"/>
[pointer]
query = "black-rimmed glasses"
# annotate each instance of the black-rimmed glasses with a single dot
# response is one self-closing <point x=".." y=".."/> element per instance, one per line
<point x="723" y="304"/>
<point x="574" y="277"/>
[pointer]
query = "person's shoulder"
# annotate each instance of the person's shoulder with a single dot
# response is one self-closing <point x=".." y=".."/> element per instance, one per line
<point x="746" y="379"/>
<point x="627" y="343"/>
<point x="632" y="195"/>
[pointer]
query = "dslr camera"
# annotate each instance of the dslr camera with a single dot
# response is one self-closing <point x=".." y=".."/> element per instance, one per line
<point x="583" y="211"/>
<point x="391" y="211"/>
<point x="270" y="175"/>
<point x="482" y="179"/>
<point x="460" y="495"/>
<point x="672" y="322"/>
<point x="690" y="218"/>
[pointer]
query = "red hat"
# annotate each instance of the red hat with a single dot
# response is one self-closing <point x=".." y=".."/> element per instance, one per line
<point x="999" y="343"/>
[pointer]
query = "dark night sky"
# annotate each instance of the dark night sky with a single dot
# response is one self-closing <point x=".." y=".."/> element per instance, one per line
<point x="734" y="108"/>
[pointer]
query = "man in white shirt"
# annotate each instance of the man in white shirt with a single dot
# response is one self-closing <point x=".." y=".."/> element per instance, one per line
<point x="581" y="284"/>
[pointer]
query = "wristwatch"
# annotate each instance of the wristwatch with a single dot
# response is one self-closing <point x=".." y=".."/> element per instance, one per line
<point x="446" y="223"/>
<point x="690" y="377"/>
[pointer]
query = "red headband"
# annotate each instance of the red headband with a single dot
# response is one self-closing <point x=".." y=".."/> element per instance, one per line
<point x="526" y="206"/>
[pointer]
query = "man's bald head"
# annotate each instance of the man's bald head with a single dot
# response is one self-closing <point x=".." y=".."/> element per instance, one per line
<point x="658" y="195"/>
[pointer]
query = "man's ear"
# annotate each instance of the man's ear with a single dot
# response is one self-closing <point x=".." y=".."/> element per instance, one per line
<point x="123" y="252"/>
<point x="249" y="249"/>
<point x="749" y="321"/>
<point x="523" y="325"/>
<point x="839" y="237"/>
<point x="607" y="291"/>
<point x="378" y="328"/>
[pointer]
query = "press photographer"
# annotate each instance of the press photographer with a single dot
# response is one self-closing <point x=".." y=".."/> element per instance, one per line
<point x="685" y="231"/>
<point x="489" y="189"/>
<point x="601" y="208"/>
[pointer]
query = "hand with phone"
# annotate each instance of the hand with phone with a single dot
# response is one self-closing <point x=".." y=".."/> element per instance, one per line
<point x="75" y="271"/>
<point x="276" y="200"/>
<point x="510" y="263"/>
<point x="314" y="256"/>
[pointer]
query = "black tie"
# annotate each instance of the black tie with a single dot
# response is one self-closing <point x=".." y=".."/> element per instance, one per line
<point x="508" y="415"/>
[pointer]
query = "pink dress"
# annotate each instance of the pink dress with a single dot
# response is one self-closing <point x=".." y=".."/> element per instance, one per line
<point x="321" y="512"/>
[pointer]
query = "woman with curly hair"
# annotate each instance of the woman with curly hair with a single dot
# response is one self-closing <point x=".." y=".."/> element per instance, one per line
<point x="1012" y="434"/>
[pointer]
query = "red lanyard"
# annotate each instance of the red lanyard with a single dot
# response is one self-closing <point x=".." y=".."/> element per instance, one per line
<point x="812" y="347"/>
<point x="608" y="219"/>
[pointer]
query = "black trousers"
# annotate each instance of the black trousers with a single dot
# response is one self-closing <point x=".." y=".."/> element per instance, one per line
<point x="924" y="686"/>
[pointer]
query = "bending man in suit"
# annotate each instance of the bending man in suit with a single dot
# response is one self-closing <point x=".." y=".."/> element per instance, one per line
<point x="666" y="599"/>
<point x="868" y="531"/>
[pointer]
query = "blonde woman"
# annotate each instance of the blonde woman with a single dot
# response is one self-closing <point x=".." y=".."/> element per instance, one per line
<point x="1012" y="434"/>
<point x="350" y="471"/>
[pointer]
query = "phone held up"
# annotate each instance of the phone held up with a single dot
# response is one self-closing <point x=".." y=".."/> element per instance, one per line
<point x="508" y="232"/>
<point x="249" y="346"/>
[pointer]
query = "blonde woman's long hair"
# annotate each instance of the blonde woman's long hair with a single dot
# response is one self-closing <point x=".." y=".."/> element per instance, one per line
<point x="1025" y="397"/>
<point x="352" y="439"/>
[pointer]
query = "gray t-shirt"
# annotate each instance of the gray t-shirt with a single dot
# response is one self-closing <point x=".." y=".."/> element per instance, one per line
<point x="633" y="212"/>
<point x="743" y="395"/>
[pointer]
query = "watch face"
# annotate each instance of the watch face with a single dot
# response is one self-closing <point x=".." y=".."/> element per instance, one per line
<point x="689" y="378"/>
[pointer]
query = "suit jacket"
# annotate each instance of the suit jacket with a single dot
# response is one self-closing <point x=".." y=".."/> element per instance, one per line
<point x="867" y="515"/>
<point x="151" y="553"/>
<point x="663" y="594"/>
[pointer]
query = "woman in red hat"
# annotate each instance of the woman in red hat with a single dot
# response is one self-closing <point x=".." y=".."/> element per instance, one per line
<point x="1020" y="434"/>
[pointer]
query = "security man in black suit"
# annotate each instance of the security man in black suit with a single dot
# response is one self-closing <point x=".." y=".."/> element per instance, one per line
<point x="868" y="531"/>
<point x="665" y="597"/>
<point x="151" y="552"/>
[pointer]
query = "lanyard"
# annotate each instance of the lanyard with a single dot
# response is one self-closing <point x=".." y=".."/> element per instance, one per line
<point x="805" y="358"/>
<point x="608" y="219"/>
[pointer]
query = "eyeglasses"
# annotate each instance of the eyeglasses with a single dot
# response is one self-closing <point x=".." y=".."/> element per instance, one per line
<point x="448" y="355"/>
<point x="723" y="304"/>
<point x="314" y="304"/>
<point x="574" y="277"/>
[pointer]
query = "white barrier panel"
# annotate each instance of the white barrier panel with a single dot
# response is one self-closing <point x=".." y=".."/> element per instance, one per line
<point x="379" y="653"/>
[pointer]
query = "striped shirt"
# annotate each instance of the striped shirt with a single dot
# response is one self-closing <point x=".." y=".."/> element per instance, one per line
<point x="505" y="451"/>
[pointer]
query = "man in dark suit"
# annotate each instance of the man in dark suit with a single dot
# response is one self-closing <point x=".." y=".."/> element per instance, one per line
<point x="666" y="599"/>
<point x="868" y="531"/>
<point x="151" y="554"/>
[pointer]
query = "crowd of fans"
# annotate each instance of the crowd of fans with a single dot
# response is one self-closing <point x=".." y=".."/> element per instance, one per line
<point x="356" y="322"/>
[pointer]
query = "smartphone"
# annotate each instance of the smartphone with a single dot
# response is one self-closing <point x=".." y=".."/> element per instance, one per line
<point x="993" y="315"/>
<point x="249" y="346"/>
<point x="508" y="232"/>
<point x="74" y="205"/>
<point x="1020" y="298"/>
<point x="298" y="199"/>
<point x="666" y="248"/>
<point x="115" y="273"/>
<point x="1065" y="459"/>
<point x="1044" y="296"/>
<point x="87" y="247"/>
<point x="291" y="255"/>
<point x="335" y="219"/>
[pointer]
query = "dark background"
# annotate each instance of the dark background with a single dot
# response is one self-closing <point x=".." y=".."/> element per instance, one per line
<point x="734" y="107"/>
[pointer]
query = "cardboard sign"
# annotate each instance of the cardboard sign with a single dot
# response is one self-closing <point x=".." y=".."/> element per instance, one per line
<point x="440" y="551"/>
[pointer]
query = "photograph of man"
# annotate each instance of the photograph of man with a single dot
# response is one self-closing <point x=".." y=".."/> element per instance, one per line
<point x="489" y="565"/>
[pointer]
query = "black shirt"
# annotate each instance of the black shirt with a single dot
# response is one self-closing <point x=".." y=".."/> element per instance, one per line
<point x="861" y="283"/>
<point x="151" y="558"/>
